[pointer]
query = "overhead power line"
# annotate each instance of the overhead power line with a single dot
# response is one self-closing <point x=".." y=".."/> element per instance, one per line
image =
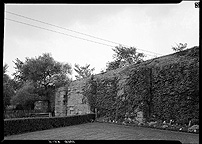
<point x="59" y="27"/>
<point x="76" y="31"/>
<point x="64" y="33"/>
<point x="58" y="32"/>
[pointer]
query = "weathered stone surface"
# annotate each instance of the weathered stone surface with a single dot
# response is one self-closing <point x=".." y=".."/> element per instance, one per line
<point x="167" y="77"/>
<point x="71" y="102"/>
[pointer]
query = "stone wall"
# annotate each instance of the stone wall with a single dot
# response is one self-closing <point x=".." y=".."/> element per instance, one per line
<point x="70" y="101"/>
<point x="60" y="109"/>
<point x="153" y="78"/>
<point x="160" y="81"/>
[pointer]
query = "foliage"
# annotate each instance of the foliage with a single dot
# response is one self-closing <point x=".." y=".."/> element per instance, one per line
<point x="125" y="55"/>
<point x="62" y="79"/>
<point x="128" y="54"/>
<point x="8" y="90"/>
<point x="83" y="71"/>
<point x="5" y="67"/>
<point x="18" y="126"/>
<point x="113" y="65"/>
<point x="101" y="95"/>
<point x="8" y="93"/>
<point x="166" y="91"/>
<point x="179" y="47"/>
<point x="175" y="91"/>
<point x="90" y="91"/>
<point x="106" y="96"/>
<point x="43" y="70"/>
<point x="138" y="93"/>
<point x="26" y="96"/>
<point x="46" y="73"/>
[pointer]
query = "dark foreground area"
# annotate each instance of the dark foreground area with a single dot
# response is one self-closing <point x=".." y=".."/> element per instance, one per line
<point x="105" y="131"/>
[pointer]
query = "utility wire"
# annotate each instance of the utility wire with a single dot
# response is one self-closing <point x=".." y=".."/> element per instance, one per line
<point x="75" y="31"/>
<point x="63" y="33"/>
<point x="59" y="27"/>
<point x="58" y="32"/>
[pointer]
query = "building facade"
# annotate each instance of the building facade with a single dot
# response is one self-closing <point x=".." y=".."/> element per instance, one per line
<point x="71" y="101"/>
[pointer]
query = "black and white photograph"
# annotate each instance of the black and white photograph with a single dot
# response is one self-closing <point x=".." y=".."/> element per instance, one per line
<point x="113" y="71"/>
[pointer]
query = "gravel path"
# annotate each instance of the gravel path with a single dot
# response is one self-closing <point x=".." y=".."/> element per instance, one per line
<point x="105" y="131"/>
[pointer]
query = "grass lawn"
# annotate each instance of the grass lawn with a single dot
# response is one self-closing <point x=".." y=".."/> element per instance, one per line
<point x="106" y="131"/>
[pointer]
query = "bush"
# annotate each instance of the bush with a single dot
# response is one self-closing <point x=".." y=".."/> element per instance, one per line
<point x="17" y="126"/>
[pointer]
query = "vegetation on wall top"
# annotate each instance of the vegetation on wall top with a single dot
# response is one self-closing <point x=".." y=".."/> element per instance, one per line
<point x="166" y="90"/>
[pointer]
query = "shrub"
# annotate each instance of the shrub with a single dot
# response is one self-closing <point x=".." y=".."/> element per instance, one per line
<point x="17" y="126"/>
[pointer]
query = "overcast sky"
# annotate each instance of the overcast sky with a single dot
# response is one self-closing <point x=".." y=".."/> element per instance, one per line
<point x="154" y="28"/>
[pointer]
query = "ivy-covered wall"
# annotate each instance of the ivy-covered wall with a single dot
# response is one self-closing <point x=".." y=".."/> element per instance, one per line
<point x="175" y="90"/>
<point x="101" y="94"/>
<point x="164" y="88"/>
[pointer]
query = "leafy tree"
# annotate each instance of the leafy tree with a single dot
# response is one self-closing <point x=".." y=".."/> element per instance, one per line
<point x="5" y="76"/>
<point x="113" y="65"/>
<point x="128" y="54"/>
<point x="5" y="67"/>
<point x="8" y="93"/>
<point x="26" y="96"/>
<point x="62" y="79"/>
<point x="83" y="71"/>
<point x="179" y="47"/>
<point x="8" y="90"/>
<point x="44" y="72"/>
<point x="124" y="55"/>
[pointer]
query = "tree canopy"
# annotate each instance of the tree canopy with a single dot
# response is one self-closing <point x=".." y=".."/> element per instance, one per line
<point x="8" y="90"/>
<point x="124" y="55"/>
<point x="44" y="72"/>
<point x="25" y="96"/>
<point x="83" y="71"/>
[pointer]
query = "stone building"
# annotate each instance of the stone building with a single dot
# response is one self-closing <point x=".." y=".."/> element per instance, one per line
<point x="70" y="101"/>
